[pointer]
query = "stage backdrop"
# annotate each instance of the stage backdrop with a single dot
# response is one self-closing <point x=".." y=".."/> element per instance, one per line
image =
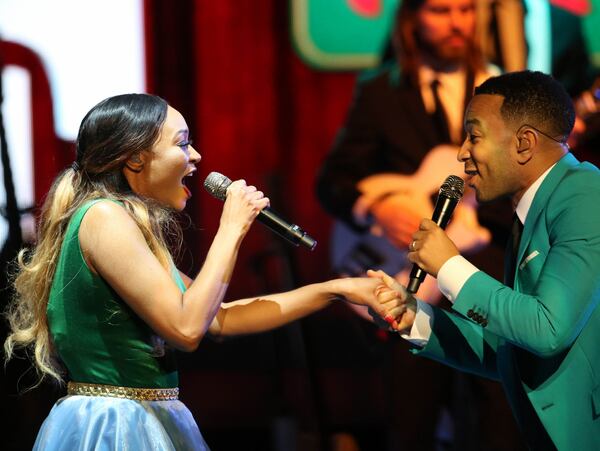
<point x="256" y="111"/>
<point x="259" y="111"/>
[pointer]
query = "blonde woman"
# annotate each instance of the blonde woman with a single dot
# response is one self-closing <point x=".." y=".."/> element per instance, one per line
<point x="99" y="299"/>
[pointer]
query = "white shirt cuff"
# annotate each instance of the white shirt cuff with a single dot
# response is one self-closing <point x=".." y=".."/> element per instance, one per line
<point x="421" y="328"/>
<point x="453" y="275"/>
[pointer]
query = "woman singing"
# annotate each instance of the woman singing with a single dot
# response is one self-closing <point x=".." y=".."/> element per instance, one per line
<point x="100" y="302"/>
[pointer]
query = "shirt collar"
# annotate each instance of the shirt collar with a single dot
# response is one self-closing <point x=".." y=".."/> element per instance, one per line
<point x="525" y="202"/>
<point x="427" y="75"/>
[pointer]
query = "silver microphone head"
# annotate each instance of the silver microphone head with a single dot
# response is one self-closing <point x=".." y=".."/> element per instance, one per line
<point x="453" y="187"/>
<point x="216" y="184"/>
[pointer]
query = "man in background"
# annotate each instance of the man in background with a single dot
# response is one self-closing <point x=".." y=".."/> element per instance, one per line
<point x="398" y="144"/>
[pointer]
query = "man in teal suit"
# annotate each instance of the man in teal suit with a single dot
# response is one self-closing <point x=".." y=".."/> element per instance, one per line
<point x="539" y="334"/>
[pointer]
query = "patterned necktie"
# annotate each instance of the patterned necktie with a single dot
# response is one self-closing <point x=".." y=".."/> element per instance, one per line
<point x="440" y="119"/>
<point x="515" y="240"/>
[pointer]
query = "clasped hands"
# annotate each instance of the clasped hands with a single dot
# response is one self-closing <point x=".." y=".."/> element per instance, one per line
<point x="430" y="248"/>
<point x="399" y="305"/>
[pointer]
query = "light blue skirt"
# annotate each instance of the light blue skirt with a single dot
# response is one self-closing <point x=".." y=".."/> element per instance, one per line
<point x="85" y="423"/>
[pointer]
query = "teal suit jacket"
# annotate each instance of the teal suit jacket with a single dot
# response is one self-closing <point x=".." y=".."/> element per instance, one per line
<point x="542" y="338"/>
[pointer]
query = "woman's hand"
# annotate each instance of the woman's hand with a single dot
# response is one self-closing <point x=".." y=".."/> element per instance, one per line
<point x="241" y="207"/>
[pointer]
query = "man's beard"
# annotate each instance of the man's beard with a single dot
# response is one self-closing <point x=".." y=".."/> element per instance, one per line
<point x="444" y="53"/>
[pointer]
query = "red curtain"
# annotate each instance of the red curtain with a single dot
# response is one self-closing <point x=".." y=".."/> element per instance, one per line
<point x="256" y="112"/>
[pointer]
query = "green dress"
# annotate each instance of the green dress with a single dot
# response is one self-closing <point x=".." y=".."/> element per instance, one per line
<point x="100" y="340"/>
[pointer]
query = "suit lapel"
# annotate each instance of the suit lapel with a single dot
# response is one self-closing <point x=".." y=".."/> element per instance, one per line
<point x="540" y="201"/>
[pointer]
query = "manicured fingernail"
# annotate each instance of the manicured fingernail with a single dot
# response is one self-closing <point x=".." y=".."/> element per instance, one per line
<point x="389" y="319"/>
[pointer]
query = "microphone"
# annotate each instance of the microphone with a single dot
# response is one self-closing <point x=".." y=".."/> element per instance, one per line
<point x="216" y="184"/>
<point x="450" y="193"/>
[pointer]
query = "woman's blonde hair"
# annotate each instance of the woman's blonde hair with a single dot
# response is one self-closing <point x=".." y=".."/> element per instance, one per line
<point x="110" y="134"/>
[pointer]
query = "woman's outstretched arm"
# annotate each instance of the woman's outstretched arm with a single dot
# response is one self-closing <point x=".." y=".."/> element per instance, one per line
<point x="114" y="247"/>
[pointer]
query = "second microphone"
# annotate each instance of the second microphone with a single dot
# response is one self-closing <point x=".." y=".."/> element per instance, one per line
<point x="216" y="184"/>
<point x="450" y="193"/>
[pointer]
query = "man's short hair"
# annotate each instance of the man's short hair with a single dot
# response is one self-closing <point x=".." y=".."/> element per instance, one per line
<point x="535" y="99"/>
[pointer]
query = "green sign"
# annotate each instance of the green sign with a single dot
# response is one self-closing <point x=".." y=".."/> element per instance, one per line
<point x="341" y="34"/>
<point x="352" y="34"/>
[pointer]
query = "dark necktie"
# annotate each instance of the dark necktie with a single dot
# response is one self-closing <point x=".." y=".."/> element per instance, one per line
<point x="513" y="250"/>
<point x="440" y="119"/>
<point x="535" y="433"/>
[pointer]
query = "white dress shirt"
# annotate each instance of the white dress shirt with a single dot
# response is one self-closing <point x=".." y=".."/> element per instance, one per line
<point x="456" y="271"/>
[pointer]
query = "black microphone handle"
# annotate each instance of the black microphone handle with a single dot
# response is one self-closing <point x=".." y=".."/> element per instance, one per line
<point x="444" y="207"/>
<point x="216" y="184"/>
<point x="290" y="232"/>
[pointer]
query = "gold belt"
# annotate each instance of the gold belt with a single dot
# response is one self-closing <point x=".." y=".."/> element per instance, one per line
<point x="138" y="394"/>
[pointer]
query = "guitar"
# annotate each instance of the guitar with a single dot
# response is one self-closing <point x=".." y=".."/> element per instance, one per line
<point x="352" y="253"/>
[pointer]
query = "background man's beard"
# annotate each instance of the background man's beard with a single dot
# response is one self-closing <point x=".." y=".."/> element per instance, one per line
<point x="445" y="54"/>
